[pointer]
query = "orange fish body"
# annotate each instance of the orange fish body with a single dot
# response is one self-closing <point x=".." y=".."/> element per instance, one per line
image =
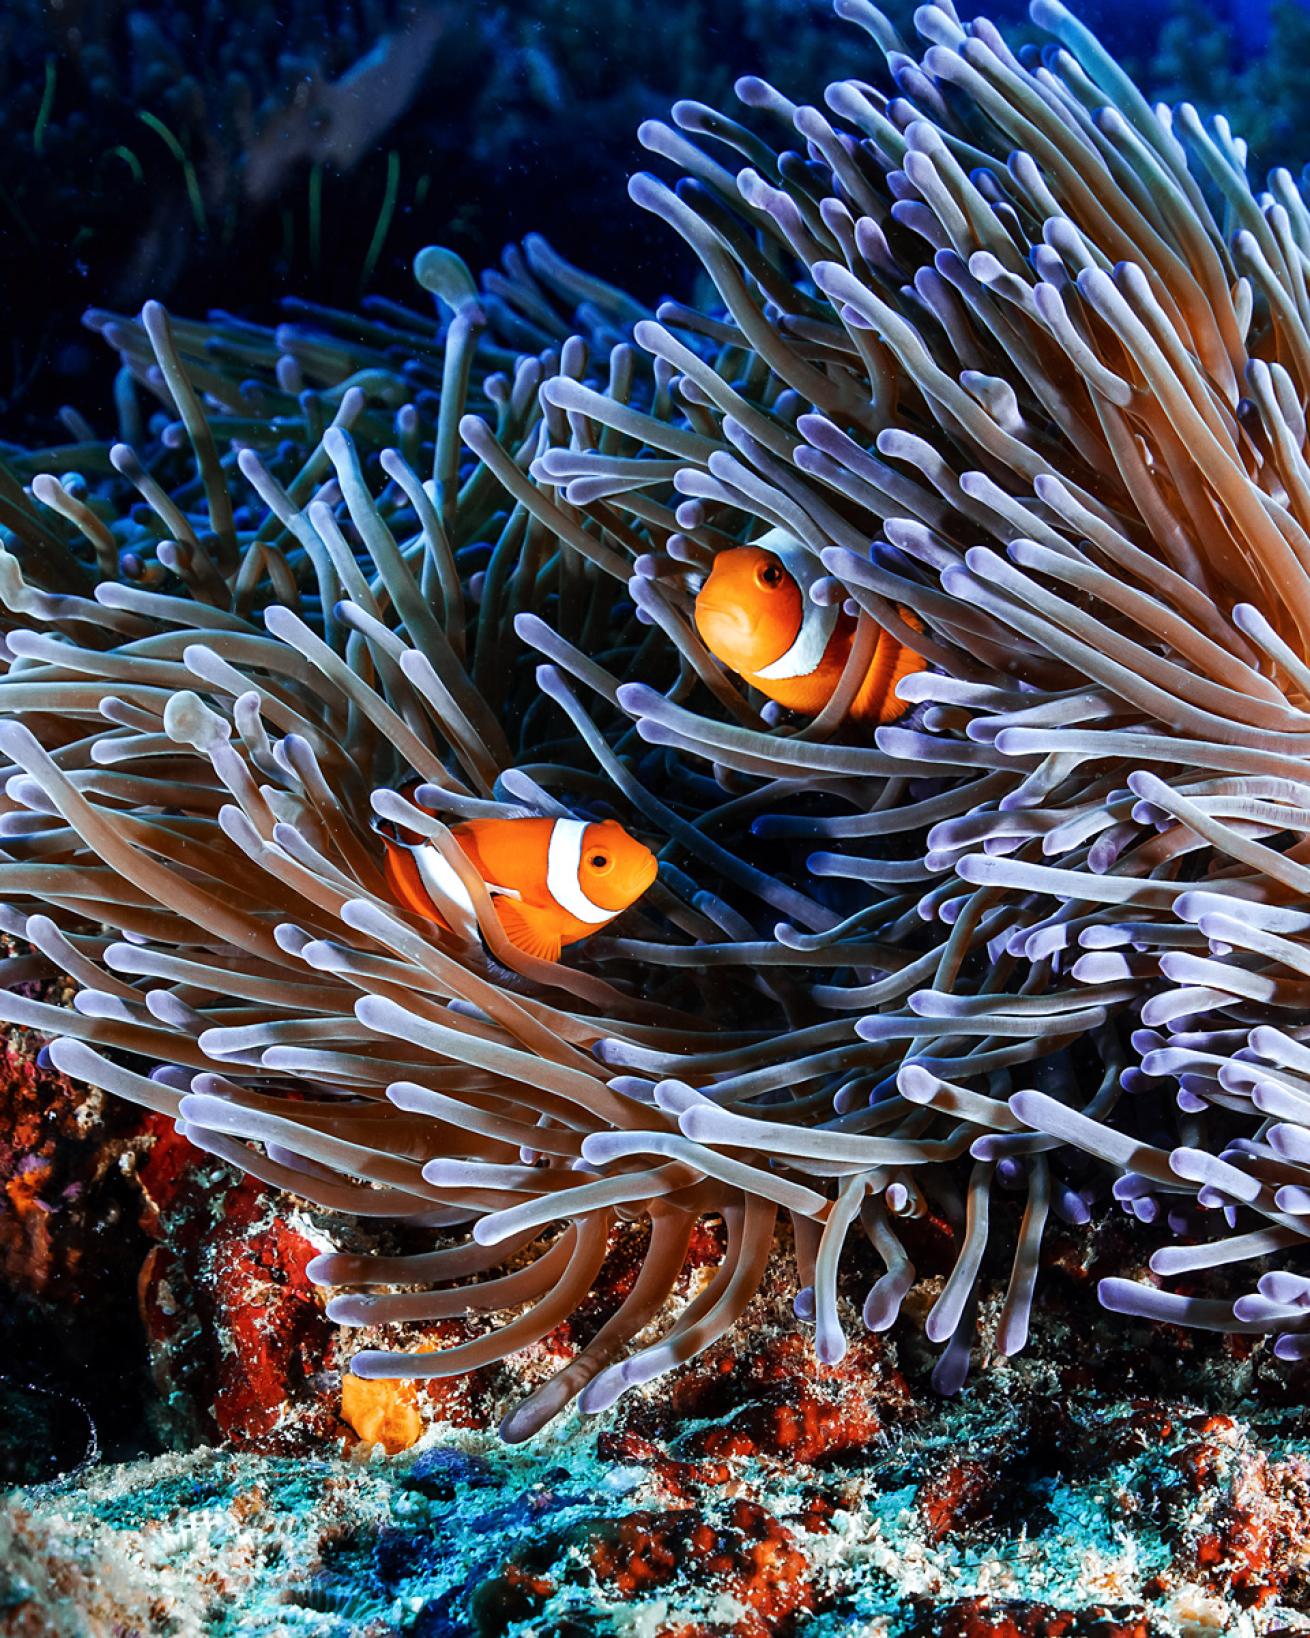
<point x="755" y="614"/>
<point x="552" y="881"/>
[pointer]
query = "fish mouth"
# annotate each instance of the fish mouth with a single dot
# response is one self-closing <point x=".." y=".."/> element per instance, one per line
<point x="650" y="870"/>
<point x="726" y="628"/>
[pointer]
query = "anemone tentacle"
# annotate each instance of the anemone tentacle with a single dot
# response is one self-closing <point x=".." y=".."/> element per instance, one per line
<point x="1020" y="363"/>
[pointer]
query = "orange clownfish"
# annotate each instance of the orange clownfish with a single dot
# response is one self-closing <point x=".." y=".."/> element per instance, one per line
<point x="756" y="615"/>
<point x="552" y="881"/>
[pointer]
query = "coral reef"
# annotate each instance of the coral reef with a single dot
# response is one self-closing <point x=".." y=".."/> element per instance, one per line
<point x="227" y="1266"/>
<point x="1016" y="363"/>
<point x="73" y="1383"/>
<point x="1035" y="1505"/>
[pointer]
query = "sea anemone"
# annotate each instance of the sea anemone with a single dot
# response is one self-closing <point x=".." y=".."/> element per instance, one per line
<point x="1019" y="362"/>
<point x="987" y="351"/>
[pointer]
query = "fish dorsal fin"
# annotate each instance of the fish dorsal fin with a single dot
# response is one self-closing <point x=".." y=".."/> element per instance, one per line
<point x="530" y="928"/>
<point x="907" y="663"/>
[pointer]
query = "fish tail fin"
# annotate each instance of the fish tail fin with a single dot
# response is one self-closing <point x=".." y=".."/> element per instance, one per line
<point x="907" y="663"/>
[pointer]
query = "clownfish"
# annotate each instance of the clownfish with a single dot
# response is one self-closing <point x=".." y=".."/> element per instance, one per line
<point x="756" y="615"/>
<point x="552" y="881"/>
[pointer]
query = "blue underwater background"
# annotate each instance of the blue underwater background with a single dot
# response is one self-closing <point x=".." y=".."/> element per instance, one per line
<point x="288" y="162"/>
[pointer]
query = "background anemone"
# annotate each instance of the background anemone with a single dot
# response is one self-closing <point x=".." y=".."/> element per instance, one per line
<point x="997" y="328"/>
<point x="999" y="344"/>
<point x="204" y="152"/>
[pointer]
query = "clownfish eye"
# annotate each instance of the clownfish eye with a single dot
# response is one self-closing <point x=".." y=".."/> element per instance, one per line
<point x="599" y="861"/>
<point x="769" y="575"/>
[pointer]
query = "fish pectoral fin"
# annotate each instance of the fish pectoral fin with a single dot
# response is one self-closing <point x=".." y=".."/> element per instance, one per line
<point x="807" y="695"/>
<point x="530" y="928"/>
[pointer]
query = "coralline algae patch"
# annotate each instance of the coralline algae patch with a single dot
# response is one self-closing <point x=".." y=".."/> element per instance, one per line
<point x="60" y="1148"/>
<point x="1010" y="1512"/>
<point x="72" y="1364"/>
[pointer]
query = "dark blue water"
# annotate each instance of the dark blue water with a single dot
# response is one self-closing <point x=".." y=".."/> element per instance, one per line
<point x="226" y="152"/>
